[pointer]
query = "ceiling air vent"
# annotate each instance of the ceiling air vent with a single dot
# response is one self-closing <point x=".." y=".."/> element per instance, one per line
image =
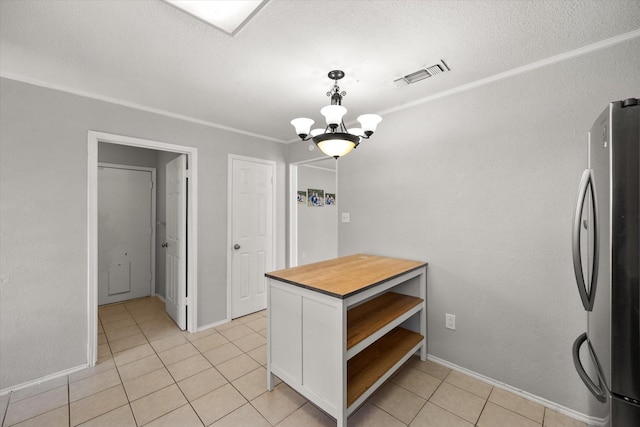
<point x="422" y="74"/>
<point x="417" y="76"/>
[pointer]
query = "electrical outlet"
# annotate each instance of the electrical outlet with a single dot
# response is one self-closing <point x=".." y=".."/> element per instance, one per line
<point x="450" y="321"/>
<point x="345" y="217"/>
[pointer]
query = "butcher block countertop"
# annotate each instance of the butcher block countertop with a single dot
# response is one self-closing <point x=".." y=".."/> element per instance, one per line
<point x="346" y="276"/>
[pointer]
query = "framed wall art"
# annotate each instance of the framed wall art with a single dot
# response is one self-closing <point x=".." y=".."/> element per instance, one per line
<point x="302" y="197"/>
<point x="316" y="197"/>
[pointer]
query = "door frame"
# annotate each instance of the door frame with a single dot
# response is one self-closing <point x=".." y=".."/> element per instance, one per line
<point x="153" y="213"/>
<point x="272" y="164"/>
<point x="93" y="138"/>
<point x="293" y="206"/>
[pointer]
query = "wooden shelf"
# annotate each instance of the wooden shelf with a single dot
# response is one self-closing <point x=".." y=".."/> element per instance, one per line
<point x="371" y="364"/>
<point x="365" y="319"/>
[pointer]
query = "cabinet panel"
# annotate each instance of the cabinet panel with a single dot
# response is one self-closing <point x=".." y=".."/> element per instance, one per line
<point x="285" y="333"/>
<point x="322" y="350"/>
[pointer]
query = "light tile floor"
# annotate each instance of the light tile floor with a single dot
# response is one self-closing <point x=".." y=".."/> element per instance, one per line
<point x="150" y="373"/>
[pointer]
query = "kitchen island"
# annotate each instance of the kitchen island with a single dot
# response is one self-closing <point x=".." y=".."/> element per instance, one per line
<point x="338" y="329"/>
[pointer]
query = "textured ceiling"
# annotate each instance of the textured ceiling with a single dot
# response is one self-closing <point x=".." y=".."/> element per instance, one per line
<point x="150" y="54"/>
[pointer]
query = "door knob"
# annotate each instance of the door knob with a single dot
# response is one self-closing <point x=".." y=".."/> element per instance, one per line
<point x="164" y="245"/>
<point x="236" y="246"/>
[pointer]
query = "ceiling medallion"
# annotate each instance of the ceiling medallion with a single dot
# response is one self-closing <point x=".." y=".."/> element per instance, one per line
<point x="335" y="139"/>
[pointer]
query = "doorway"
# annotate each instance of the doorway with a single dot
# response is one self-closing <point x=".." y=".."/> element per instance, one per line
<point x="191" y="153"/>
<point x="126" y="232"/>
<point x="313" y="227"/>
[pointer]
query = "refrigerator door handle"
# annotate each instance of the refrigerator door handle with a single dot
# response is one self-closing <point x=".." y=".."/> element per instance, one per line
<point x="587" y="297"/>
<point x="597" y="390"/>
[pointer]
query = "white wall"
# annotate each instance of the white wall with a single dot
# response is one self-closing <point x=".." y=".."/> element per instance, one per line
<point x="317" y="226"/>
<point x="43" y="219"/>
<point x="482" y="186"/>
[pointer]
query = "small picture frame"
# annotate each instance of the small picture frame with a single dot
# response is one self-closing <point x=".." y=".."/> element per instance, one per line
<point x="302" y="197"/>
<point x="315" y="197"/>
<point x="330" y="199"/>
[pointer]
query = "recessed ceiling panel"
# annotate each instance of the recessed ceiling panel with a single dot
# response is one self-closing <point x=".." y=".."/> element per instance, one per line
<point x="228" y="16"/>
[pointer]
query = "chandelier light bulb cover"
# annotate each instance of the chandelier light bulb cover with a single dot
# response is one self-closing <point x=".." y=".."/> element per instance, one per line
<point x="302" y="126"/>
<point x="333" y="114"/>
<point x="335" y="139"/>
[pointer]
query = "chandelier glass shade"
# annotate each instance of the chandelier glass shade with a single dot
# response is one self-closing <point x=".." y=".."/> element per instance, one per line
<point x="335" y="139"/>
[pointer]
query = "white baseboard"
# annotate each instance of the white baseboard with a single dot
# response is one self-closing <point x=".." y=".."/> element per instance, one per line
<point x="591" y="421"/>
<point x="43" y="379"/>
<point x="212" y="325"/>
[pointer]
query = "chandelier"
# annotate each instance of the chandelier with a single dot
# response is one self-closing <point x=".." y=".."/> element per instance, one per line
<point x="335" y="139"/>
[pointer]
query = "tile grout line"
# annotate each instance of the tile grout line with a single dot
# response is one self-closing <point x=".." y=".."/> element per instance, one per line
<point x="544" y="408"/>
<point x="6" y="409"/>
<point x="165" y="366"/>
<point x="109" y="388"/>
<point x="231" y="383"/>
<point x="250" y="401"/>
<point x="483" y="407"/>
<point x="135" y="420"/>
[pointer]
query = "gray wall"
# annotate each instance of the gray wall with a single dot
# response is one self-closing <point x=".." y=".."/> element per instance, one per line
<point x="317" y="226"/>
<point x="43" y="219"/>
<point x="126" y="155"/>
<point x="482" y="186"/>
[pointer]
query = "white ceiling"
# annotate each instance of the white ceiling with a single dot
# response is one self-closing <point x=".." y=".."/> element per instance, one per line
<point x="150" y="54"/>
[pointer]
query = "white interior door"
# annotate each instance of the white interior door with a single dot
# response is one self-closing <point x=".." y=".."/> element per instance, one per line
<point x="251" y="235"/>
<point x="125" y="231"/>
<point x="176" y="244"/>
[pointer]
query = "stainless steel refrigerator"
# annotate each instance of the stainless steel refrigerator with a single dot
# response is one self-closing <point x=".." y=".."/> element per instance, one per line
<point x="606" y="260"/>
